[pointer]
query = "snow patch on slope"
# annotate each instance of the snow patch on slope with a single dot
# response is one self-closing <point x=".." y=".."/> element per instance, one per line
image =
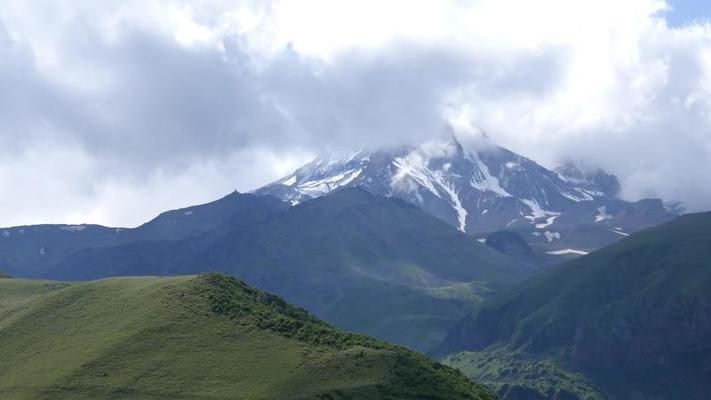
<point x="536" y="210"/>
<point x="415" y="169"/>
<point x="564" y="252"/>
<point x="484" y="181"/>
<point x="290" y="181"/>
<point x="619" y="232"/>
<point x="550" y="236"/>
<point x="581" y="195"/>
<point x="602" y="214"/>
<point x="537" y="213"/>
<point x="319" y="187"/>
<point x="457" y="204"/>
<point x="549" y="221"/>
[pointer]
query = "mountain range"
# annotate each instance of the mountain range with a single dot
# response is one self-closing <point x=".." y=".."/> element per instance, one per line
<point x="540" y="283"/>
<point x="634" y="317"/>
<point x="365" y="263"/>
<point x="376" y="229"/>
<point x="33" y="251"/>
<point x="480" y="188"/>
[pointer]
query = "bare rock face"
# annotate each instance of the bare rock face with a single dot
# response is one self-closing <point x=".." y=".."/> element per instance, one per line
<point x="510" y="243"/>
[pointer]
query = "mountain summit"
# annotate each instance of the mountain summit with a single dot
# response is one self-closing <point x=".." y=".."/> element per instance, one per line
<point x="485" y="188"/>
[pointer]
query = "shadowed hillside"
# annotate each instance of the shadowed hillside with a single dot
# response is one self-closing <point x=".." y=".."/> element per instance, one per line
<point x="365" y="263"/>
<point x="635" y="317"/>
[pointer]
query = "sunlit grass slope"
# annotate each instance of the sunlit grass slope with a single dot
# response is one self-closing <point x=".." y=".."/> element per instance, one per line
<point x="205" y="337"/>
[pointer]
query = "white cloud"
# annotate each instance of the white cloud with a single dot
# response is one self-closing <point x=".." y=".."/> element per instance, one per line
<point x="64" y="184"/>
<point x="152" y="102"/>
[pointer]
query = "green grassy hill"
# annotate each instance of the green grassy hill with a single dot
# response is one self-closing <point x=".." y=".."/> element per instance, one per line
<point x="635" y="317"/>
<point x="205" y="337"/>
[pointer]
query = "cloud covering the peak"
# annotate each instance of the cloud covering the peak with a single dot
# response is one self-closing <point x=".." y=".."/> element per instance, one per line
<point x="113" y="111"/>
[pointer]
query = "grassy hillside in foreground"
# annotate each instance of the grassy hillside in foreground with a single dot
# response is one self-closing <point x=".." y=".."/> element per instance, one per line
<point x="205" y="337"/>
<point x="14" y="293"/>
<point x="634" y="317"/>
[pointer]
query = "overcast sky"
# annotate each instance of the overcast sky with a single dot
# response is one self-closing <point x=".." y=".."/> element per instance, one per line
<point x="112" y="111"/>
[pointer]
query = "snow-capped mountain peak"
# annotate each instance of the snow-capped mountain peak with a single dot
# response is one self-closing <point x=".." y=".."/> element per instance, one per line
<point x="477" y="188"/>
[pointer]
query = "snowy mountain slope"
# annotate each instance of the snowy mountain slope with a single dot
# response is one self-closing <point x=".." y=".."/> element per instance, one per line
<point x="482" y="189"/>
